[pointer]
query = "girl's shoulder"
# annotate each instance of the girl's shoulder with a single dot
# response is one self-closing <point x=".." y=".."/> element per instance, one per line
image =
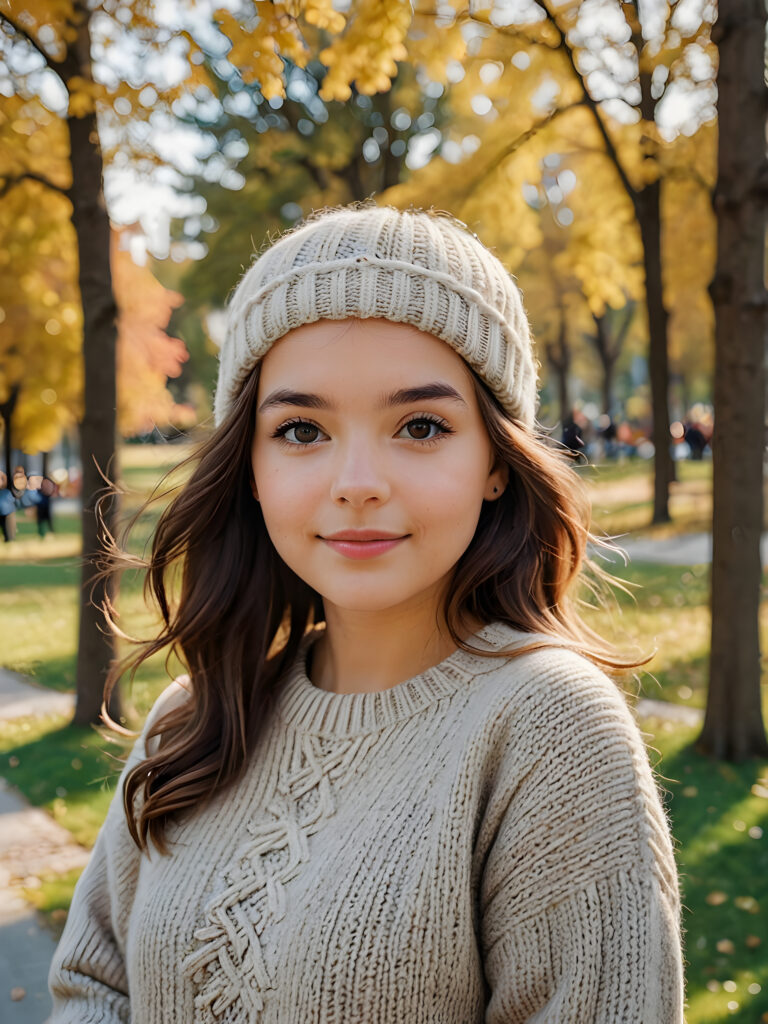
<point x="534" y="659"/>
<point x="546" y="690"/>
<point x="173" y="696"/>
<point x="556" y="723"/>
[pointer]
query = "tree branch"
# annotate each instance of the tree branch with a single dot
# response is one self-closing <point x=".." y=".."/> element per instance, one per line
<point x="593" y="107"/>
<point x="6" y="184"/>
<point x="688" y="174"/>
<point x="317" y="174"/>
<point x="588" y="101"/>
<point x="506" y="30"/>
<point x="19" y="31"/>
<point x="521" y="140"/>
<point x="629" y="315"/>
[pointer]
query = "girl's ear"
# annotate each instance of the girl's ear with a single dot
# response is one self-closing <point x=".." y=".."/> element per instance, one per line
<point x="497" y="481"/>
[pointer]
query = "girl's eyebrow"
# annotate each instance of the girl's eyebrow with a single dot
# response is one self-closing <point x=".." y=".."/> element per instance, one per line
<point x="405" y="396"/>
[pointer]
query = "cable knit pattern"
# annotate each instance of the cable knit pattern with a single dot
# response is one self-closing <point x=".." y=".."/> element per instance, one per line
<point x="377" y="261"/>
<point x="482" y="844"/>
<point x="229" y="969"/>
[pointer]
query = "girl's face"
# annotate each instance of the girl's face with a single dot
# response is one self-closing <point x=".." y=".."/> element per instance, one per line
<point x="371" y="461"/>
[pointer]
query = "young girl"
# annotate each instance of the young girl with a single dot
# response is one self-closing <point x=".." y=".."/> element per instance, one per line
<point x="396" y="784"/>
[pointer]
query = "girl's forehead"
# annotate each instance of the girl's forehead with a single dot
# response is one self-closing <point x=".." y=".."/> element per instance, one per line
<point x="348" y="351"/>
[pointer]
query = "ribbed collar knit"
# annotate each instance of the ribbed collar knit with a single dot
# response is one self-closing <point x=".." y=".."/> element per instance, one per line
<point x="308" y="708"/>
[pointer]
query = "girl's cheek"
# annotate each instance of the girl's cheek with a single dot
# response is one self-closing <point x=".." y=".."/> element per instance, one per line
<point x="447" y="485"/>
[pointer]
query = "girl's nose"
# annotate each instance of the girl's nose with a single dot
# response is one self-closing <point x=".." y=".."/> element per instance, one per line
<point x="359" y="477"/>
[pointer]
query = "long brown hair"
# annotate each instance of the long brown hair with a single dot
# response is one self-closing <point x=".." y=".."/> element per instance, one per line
<point x="241" y="613"/>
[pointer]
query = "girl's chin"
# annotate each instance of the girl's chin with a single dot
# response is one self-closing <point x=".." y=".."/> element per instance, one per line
<point x="361" y="604"/>
<point x="368" y="601"/>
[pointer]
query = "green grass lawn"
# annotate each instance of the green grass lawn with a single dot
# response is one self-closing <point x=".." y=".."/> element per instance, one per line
<point x="29" y="548"/>
<point x="68" y="771"/>
<point x="669" y="613"/>
<point x="622" y="495"/>
<point x="719" y="816"/>
<point x="39" y="578"/>
<point x="718" y="812"/>
<point x="622" y="498"/>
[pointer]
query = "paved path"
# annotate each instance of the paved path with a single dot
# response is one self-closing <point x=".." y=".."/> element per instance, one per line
<point x="31" y="844"/>
<point x="687" y="549"/>
<point x="19" y="697"/>
<point x="669" y="712"/>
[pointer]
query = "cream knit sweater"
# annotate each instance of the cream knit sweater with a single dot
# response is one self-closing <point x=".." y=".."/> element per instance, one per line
<point x="482" y="843"/>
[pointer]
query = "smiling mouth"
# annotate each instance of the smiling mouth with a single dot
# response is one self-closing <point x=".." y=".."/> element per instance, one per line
<point x="363" y="535"/>
<point x="362" y="544"/>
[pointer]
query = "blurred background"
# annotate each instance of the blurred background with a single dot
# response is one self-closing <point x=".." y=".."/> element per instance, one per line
<point x="611" y="153"/>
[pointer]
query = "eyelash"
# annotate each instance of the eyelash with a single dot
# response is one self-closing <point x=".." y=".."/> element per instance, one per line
<point x="282" y="430"/>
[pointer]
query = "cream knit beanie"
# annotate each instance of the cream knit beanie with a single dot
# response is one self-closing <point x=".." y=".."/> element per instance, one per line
<point x="416" y="267"/>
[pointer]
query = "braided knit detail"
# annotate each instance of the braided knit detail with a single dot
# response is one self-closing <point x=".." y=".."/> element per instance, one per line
<point x="228" y="969"/>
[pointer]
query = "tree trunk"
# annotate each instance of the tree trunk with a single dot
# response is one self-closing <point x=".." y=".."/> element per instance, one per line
<point x="649" y="219"/>
<point x="564" y="399"/>
<point x="608" y="354"/>
<point x="559" y="358"/>
<point x="608" y="388"/>
<point x="391" y="166"/>
<point x="98" y="426"/>
<point x="685" y="398"/>
<point x="733" y="725"/>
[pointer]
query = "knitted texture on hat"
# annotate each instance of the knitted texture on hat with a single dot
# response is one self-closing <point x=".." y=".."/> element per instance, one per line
<point x="412" y="267"/>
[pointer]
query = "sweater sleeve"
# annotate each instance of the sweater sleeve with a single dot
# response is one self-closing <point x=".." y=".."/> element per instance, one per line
<point x="87" y="978"/>
<point x="579" y="895"/>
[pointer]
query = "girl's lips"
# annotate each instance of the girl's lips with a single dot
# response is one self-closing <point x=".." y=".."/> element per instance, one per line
<point x="357" y="549"/>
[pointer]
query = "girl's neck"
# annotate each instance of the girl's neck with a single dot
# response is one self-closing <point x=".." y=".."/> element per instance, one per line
<point x="366" y="652"/>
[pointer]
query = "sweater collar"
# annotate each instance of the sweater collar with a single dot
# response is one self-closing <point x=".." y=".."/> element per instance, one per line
<point x="308" y="708"/>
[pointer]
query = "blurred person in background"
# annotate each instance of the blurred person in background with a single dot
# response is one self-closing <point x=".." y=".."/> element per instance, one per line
<point x="7" y="509"/>
<point x="43" y="508"/>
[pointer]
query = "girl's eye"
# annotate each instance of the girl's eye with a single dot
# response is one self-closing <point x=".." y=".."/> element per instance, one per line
<point x="303" y="433"/>
<point x="424" y="428"/>
<point x="299" y="432"/>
